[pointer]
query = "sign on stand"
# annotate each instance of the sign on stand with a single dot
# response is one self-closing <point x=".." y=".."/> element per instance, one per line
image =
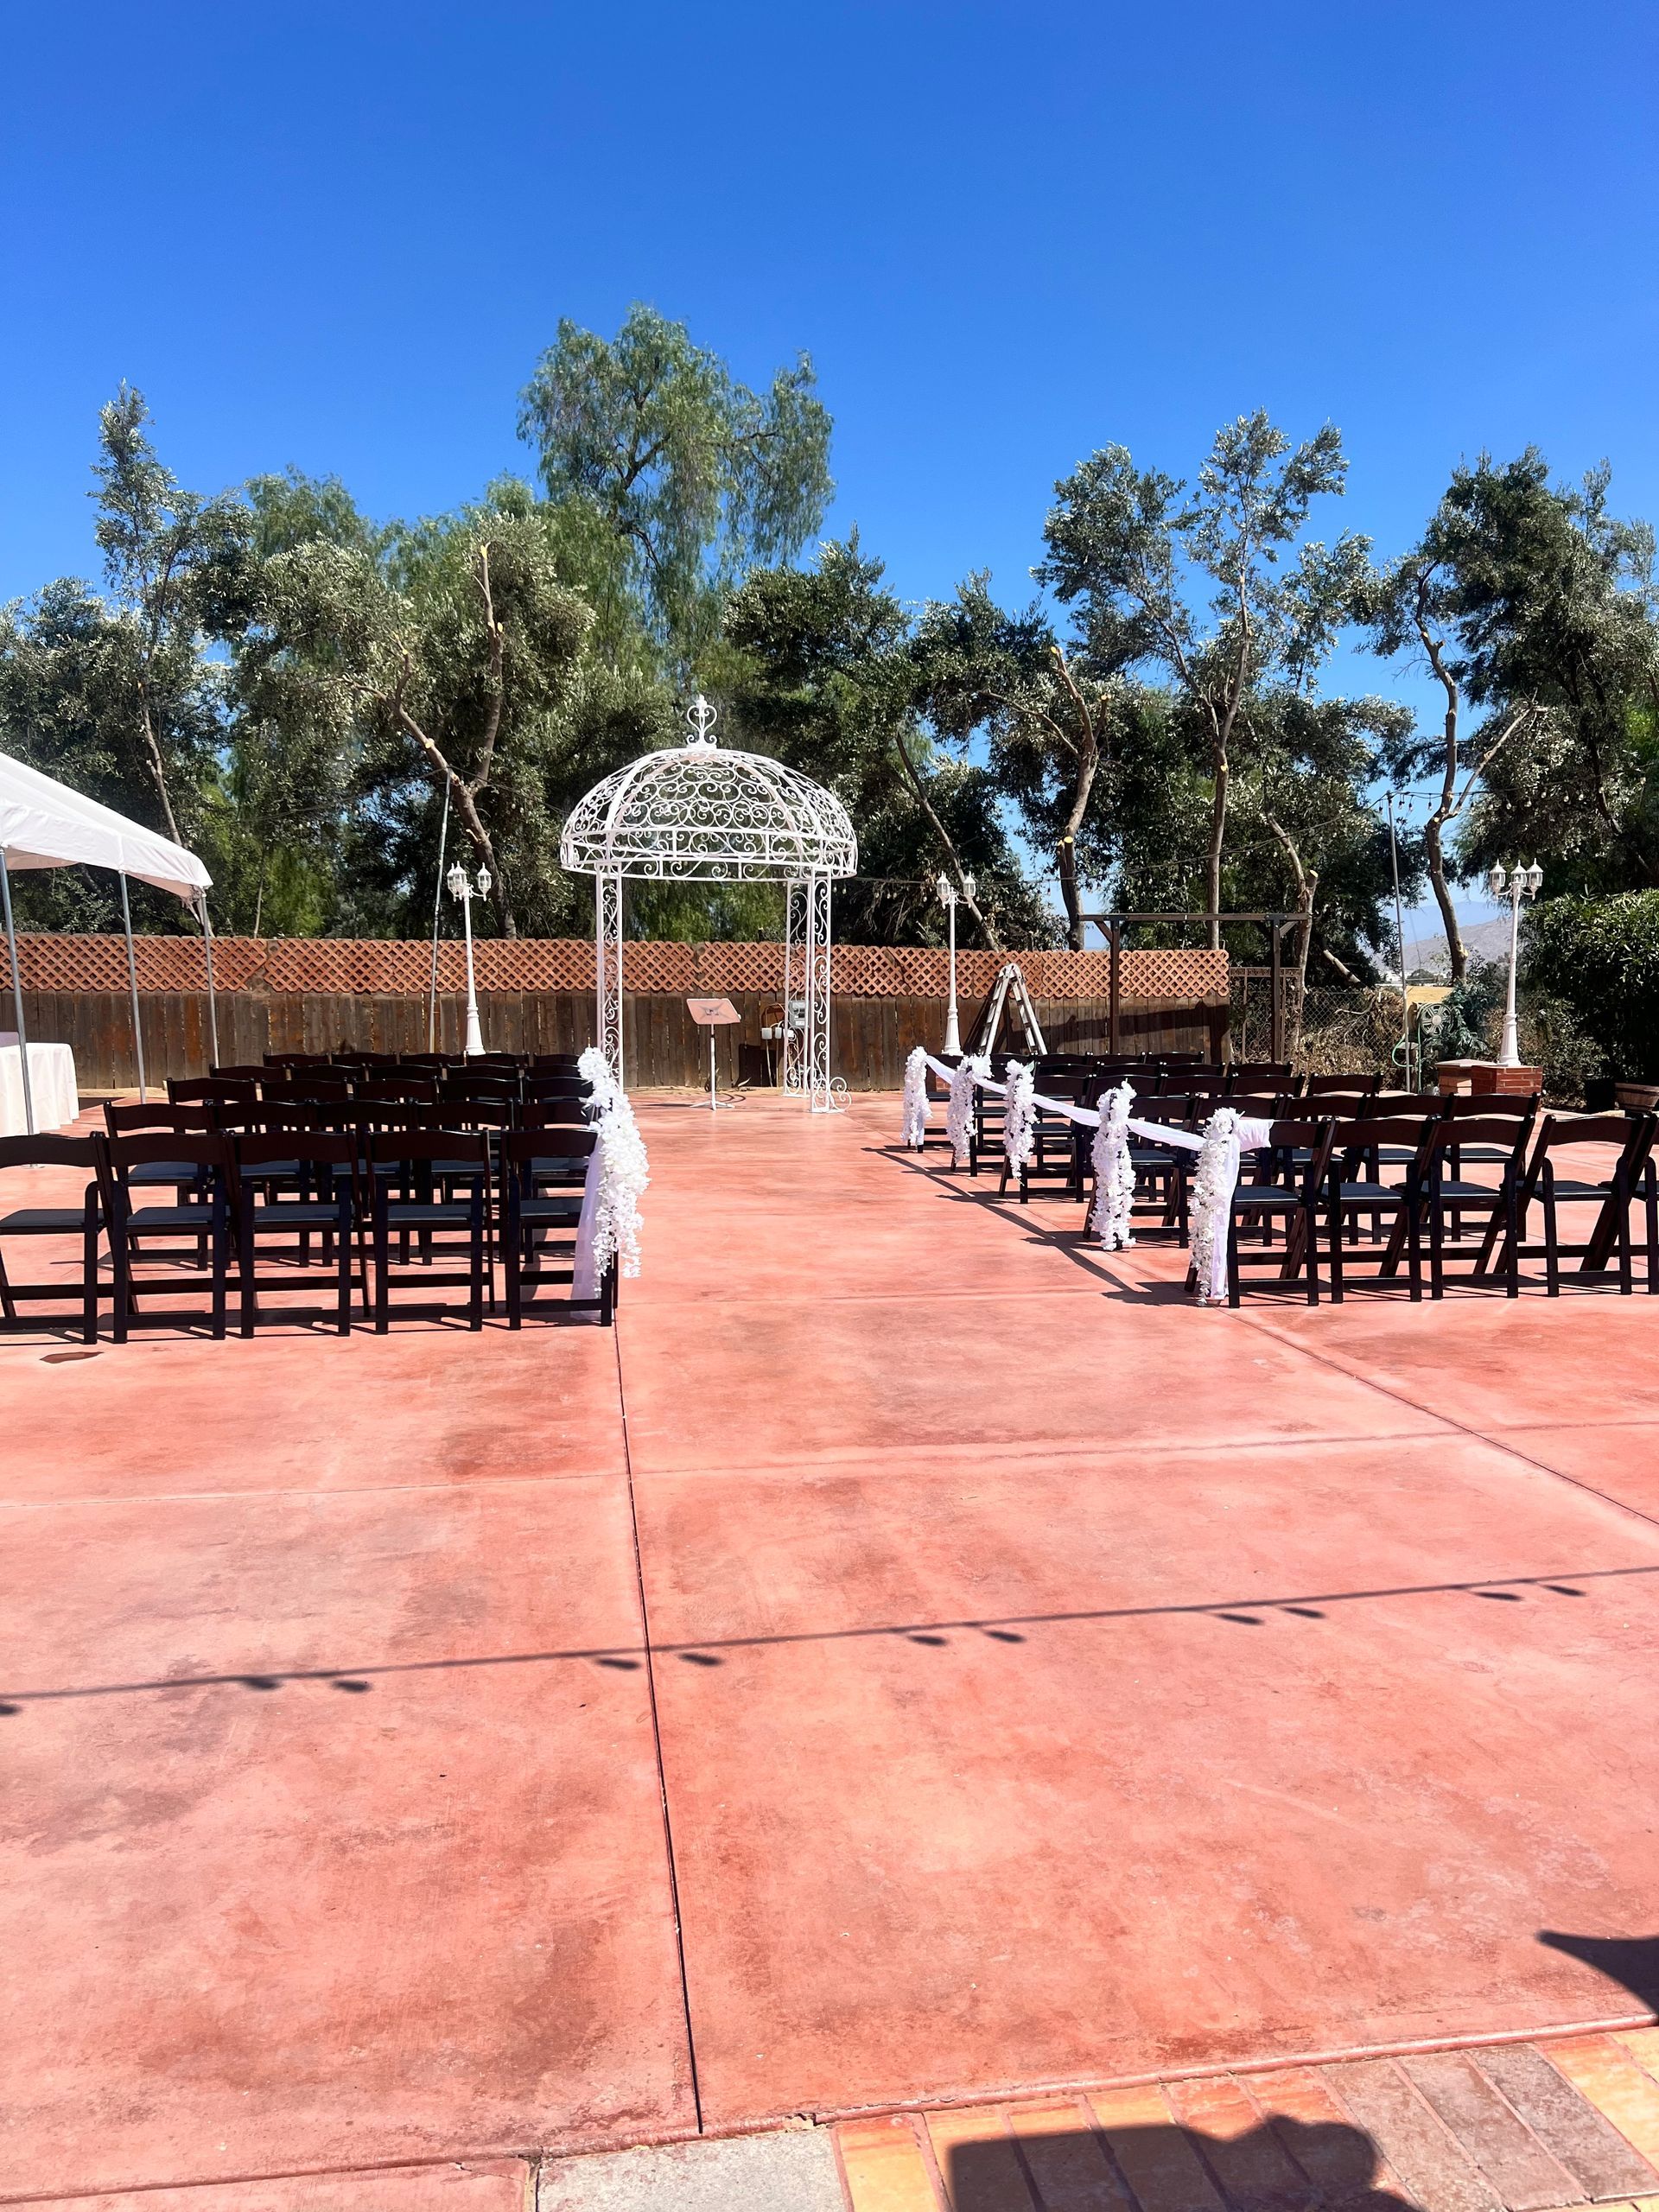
<point x="712" y="1014"/>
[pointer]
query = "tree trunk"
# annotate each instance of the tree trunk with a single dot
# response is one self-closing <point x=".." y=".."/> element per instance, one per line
<point x="1087" y="751"/>
<point x="1456" y="951"/>
<point x="1298" y="987"/>
<point x="158" y="770"/>
<point x="1066" y="856"/>
<point x="1217" y="839"/>
<point x="947" y="845"/>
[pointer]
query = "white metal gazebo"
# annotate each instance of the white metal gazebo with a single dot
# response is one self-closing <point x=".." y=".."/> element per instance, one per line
<point x="704" y="814"/>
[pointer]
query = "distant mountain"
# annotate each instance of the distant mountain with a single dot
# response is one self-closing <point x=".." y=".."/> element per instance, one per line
<point x="1482" y="941"/>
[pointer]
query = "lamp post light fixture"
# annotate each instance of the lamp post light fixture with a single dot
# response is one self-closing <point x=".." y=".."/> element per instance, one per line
<point x="464" y="890"/>
<point x="948" y="895"/>
<point x="1519" y="883"/>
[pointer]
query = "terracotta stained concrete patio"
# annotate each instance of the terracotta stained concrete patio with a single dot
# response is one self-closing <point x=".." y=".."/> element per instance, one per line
<point x="914" y="1658"/>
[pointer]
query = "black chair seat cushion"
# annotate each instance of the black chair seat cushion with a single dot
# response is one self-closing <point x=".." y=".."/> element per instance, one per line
<point x="536" y="1211"/>
<point x="296" y="1213"/>
<point x="44" y="1221"/>
<point x="1469" y="1194"/>
<point x="1566" y="1188"/>
<point x="1371" y="1194"/>
<point x="418" y="1213"/>
<point x="198" y="1220"/>
<point x="1265" y="1197"/>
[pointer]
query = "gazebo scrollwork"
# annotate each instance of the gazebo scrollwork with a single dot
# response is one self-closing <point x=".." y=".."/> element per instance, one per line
<point x="704" y="813"/>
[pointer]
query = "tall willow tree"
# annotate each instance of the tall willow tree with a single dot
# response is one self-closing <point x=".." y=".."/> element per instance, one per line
<point x="670" y="479"/>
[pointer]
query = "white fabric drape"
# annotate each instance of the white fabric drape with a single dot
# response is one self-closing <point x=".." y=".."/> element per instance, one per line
<point x="51" y="1083"/>
<point x="1227" y="1135"/>
<point x="916" y="1101"/>
<point x="1113" y="1170"/>
<point x="959" y="1113"/>
<point x="1019" y="1123"/>
<point x="618" y="1174"/>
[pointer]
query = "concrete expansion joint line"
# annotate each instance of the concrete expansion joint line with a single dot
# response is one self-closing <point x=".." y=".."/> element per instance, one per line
<point x="1462" y="1427"/>
<point x="656" y="1731"/>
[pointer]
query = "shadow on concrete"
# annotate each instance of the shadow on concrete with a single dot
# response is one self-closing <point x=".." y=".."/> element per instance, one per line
<point x="1632" y="1960"/>
<point x="1285" y="2165"/>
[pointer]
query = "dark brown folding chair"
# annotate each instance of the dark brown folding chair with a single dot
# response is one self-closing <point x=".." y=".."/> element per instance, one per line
<point x="559" y="1111"/>
<point x="319" y="1168"/>
<point x="1341" y="1086"/>
<point x="543" y="1175"/>
<point x="556" y="1086"/>
<point x="203" y="1216"/>
<point x="1355" y="1189"/>
<point x="198" y="1120"/>
<point x="211" y="1089"/>
<point x="402" y="1086"/>
<point x="1163" y="1173"/>
<point x="413" y="1175"/>
<point x="1056" y="1154"/>
<point x="303" y="1087"/>
<point x="84" y="1221"/>
<point x="1631" y="1136"/>
<point x="1286" y="1181"/>
<point x="1445" y="1190"/>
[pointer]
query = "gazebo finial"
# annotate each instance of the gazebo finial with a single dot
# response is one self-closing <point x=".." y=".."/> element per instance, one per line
<point x="701" y="717"/>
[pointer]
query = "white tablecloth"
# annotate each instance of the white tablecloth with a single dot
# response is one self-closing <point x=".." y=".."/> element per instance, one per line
<point x="52" y="1079"/>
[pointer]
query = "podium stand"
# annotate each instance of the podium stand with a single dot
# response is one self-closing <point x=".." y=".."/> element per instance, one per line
<point x="712" y="1014"/>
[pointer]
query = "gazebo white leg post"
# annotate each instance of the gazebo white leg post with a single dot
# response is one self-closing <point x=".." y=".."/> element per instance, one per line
<point x="608" y="955"/>
<point x="132" y="987"/>
<point x="797" y="906"/>
<point x="17" y="996"/>
<point x="818" y="993"/>
<point x="213" y="1002"/>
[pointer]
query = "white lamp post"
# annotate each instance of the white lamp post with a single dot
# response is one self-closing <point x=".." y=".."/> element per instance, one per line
<point x="1522" y="883"/>
<point x="948" y="900"/>
<point x="463" y="890"/>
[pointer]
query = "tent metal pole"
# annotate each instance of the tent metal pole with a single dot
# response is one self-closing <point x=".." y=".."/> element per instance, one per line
<point x="213" y="1002"/>
<point x="437" y="910"/>
<point x="17" y="995"/>
<point x="132" y="985"/>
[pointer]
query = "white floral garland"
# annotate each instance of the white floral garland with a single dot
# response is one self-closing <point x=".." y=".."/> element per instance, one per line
<point x="916" y="1101"/>
<point x="623" y="1170"/>
<point x="595" y="1071"/>
<point x="1019" y="1122"/>
<point x="959" y="1114"/>
<point x="1213" y="1192"/>
<point x="623" y="1176"/>
<point x="1113" y="1170"/>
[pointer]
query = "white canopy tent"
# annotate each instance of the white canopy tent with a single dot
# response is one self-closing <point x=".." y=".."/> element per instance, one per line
<point x="45" y="825"/>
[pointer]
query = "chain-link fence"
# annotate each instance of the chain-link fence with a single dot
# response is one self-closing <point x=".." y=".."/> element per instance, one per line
<point x="1342" y="1029"/>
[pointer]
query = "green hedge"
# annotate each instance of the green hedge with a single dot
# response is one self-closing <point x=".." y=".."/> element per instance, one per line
<point x="1601" y="956"/>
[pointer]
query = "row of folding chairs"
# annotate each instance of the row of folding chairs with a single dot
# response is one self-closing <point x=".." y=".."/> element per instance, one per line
<point x="348" y="1056"/>
<point x="248" y="1206"/>
<point x="511" y="1090"/>
<point x="1082" y="1080"/>
<point x="1411" y="1179"/>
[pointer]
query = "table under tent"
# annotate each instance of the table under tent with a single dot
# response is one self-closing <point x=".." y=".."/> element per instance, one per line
<point x="43" y="823"/>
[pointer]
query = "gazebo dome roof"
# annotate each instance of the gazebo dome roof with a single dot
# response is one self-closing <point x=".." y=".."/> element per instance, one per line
<point x="702" y="814"/>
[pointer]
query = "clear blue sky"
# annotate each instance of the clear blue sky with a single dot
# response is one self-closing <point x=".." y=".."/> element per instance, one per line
<point x="338" y="236"/>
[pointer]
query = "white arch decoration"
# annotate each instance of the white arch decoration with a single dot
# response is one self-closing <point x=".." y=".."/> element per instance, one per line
<point x="707" y="815"/>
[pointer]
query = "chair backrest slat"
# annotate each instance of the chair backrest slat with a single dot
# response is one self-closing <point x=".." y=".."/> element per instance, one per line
<point x="51" y="1151"/>
<point x="121" y="1121"/>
